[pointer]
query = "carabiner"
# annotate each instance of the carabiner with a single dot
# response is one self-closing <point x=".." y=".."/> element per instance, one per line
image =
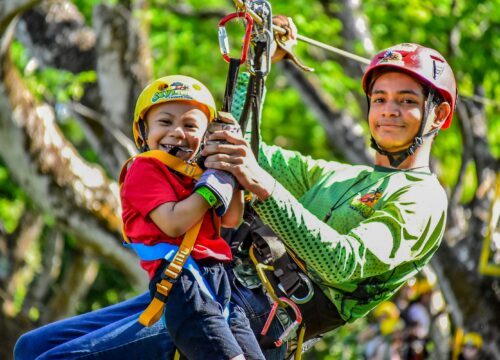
<point x="305" y="298"/>
<point x="266" y="38"/>
<point x="223" y="41"/>
<point x="289" y="330"/>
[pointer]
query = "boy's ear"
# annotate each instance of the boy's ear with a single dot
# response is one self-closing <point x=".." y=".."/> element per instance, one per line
<point x="143" y="131"/>
<point x="441" y="112"/>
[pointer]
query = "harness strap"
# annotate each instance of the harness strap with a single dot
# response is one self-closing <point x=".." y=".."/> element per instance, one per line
<point x="154" y="311"/>
<point x="168" y="251"/>
<point x="253" y="99"/>
<point x="274" y="265"/>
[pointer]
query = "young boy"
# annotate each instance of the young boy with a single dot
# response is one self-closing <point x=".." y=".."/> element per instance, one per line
<point x="160" y="205"/>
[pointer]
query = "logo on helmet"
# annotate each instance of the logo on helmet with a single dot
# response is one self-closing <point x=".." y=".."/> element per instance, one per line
<point x="176" y="90"/>
<point x="392" y="57"/>
<point x="437" y="69"/>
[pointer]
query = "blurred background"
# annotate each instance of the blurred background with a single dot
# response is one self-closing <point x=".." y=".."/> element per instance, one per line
<point x="70" y="72"/>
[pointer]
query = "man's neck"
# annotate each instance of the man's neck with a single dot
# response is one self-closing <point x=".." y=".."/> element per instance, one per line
<point x="419" y="159"/>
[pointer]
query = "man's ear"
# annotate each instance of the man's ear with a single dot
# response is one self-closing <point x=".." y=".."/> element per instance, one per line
<point x="441" y="112"/>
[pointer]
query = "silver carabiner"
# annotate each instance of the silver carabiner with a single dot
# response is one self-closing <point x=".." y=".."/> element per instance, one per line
<point x="307" y="297"/>
<point x="263" y="33"/>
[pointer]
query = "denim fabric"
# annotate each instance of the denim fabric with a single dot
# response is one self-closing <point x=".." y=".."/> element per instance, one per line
<point x="197" y="325"/>
<point x="256" y="306"/>
<point x="114" y="333"/>
<point x="109" y="333"/>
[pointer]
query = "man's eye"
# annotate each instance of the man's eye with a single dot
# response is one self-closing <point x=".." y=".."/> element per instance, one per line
<point x="377" y="100"/>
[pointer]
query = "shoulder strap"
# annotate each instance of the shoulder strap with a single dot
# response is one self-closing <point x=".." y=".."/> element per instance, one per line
<point x="189" y="169"/>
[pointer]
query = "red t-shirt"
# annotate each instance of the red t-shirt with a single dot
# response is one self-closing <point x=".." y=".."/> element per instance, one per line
<point x="148" y="184"/>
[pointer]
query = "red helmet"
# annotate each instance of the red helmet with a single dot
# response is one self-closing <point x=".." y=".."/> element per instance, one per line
<point x="425" y="64"/>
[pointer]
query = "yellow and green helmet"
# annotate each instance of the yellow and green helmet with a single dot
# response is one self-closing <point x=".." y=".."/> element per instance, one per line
<point x="172" y="88"/>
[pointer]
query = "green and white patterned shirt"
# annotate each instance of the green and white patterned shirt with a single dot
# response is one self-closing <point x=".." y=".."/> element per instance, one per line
<point x="385" y="224"/>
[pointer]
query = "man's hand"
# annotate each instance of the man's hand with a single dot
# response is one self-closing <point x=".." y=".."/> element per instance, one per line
<point x="224" y="122"/>
<point x="228" y="151"/>
<point x="283" y="44"/>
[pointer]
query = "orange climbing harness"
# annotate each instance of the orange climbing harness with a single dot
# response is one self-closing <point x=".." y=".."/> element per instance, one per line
<point x="155" y="309"/>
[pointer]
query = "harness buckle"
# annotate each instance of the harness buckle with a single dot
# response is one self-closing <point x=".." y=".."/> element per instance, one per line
<point x="310" y="290"/>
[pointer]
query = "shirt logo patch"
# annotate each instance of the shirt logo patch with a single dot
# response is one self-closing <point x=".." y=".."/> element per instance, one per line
<point x="365" y="203"/>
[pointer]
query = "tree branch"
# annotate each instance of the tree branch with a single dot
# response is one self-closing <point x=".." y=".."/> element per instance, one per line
<point x="344" y="134"/>
<point x="78" y="195"/>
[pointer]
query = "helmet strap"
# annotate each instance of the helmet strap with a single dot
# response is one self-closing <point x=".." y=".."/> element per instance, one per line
<point x="397" y="157"/>
<point x="144" y="136"/>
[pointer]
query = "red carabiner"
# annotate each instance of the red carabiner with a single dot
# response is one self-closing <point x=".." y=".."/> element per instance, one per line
<point x="289" y="330"/>
<point x="223" y="43"/>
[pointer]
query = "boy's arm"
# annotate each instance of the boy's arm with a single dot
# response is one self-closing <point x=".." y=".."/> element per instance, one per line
<point x="176" y="218"/>
<point x="232" y="218"/>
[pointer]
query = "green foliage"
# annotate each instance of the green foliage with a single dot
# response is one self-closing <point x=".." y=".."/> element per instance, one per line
<point x="110" y="287"/>
<point x="340" y="344"/>
<point x="12" y="200"/>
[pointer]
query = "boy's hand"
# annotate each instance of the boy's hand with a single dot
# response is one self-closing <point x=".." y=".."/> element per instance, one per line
<point x="224" y="121"/>
<point x="221" y="185"/>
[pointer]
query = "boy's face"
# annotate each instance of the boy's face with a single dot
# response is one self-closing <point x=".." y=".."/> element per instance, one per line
<point x="396" y="110"/>
<point x="173" y="124"/>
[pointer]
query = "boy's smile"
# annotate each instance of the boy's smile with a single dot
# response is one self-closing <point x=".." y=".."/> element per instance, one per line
<point x="176" y="124"/>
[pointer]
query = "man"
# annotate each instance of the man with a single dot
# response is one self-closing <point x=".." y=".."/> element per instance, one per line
<point x="361" y="231"/>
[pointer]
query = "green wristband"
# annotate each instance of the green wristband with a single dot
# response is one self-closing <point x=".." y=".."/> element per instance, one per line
<point x="207" y="195"/>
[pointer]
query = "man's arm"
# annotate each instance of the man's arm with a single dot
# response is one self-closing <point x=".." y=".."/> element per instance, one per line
<point x="405" y="229"/>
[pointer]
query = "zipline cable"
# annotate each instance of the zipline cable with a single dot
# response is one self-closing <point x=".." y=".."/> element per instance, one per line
<point x="240" y="4"/>
<point x="280" y="30"/>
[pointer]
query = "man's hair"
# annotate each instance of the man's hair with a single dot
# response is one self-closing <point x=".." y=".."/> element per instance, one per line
<point x="437" y="98"/>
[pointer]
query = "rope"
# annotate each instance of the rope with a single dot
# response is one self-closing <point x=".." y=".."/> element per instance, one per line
<point x="240" y="4"/>
<point x="280" y="30"/>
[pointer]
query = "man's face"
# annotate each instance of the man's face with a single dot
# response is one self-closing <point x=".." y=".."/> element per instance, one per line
<point x="174" y="124"/>
<point x="396" y="110"/>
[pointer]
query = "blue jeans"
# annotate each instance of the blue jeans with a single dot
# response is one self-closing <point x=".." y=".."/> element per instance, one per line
<point x="195" y="320"/>
<point x="114" y="333"/>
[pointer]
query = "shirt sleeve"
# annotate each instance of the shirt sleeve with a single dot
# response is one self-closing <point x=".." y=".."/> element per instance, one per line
<point x="408" y="227"/>
<point x="146" y="185"/>
<point x="294" y="171"/>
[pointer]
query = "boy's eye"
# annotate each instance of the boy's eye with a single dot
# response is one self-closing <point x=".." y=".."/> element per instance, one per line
<point x="165" y="121"/>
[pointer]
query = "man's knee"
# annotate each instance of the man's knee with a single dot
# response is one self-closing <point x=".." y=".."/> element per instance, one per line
<point x="24" y="348"/>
